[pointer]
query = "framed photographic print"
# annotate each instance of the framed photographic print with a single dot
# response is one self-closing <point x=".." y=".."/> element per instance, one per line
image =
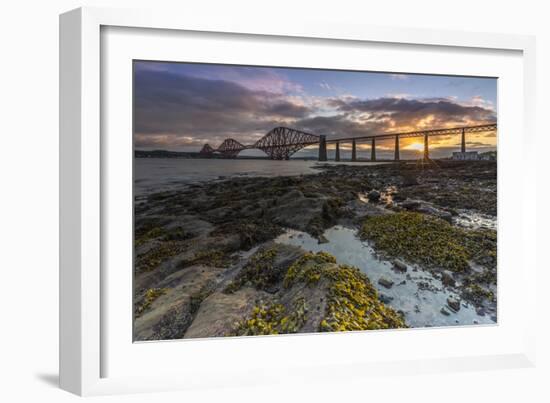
<point x="233" y="201"/>
<point x="242" y="227"/>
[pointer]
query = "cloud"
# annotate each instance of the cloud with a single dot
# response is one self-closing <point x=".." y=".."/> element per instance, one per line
<point x="256" y="79"/>
<point x="339" y="126"/>
<point x="173" y="107"/>
<point x="253" y="78"/>
<point x="398" y="95"/>
<point x="324" y="85"/>
<point x="173" y="110"/>
<point x="478" y="100"/>
<point x="356" y="117"/>
<point x="405" y="113"/>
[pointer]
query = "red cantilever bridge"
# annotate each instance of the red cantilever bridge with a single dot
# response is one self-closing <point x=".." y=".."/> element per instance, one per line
<point x="281" y="142"/>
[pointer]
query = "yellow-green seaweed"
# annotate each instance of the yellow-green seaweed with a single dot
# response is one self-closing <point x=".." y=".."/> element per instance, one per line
<point x="150" y="296"/>
<point x="430" y="241"/>
<point x="153" y="233"/>
<point x="273" y="318"/>
<point x="308" y="268"/>
<point x="151" y="259"/>
<point x="258" y="271"/>
<point x="209" y="257"/>
<point x="352" y="303"/>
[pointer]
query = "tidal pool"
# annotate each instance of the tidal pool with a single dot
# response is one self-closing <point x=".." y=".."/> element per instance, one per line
<point x="416" y="292"/>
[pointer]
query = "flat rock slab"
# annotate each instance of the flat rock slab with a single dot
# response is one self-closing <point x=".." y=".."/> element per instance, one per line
<point x="179" y="287"/>
<point x="220" y="312"/>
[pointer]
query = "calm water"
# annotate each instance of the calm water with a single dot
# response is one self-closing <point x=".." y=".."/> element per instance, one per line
<point x="157" y="174"/>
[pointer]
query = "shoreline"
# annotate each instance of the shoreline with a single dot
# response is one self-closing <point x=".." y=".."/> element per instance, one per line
<point x="192" y="242"/>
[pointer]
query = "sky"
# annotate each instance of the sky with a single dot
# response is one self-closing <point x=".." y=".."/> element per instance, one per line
<point x="182" y="106"/>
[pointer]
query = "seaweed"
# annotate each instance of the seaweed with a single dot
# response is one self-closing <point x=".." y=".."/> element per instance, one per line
<point x="477" y="294"/>
<point x="152" y="233"/>
<point x="221" y="258"/>
<point x="430" y="241"/>
<point x="353" y="302"/>
<point x="259" y="272"/>
<point x="151" y="259"/>
<point x="307" y="268"/>
<point x="272" y="318"/>
<point x="176" y="234"/>
<point x="250" y="232"/>
<point x="151" y="296"/>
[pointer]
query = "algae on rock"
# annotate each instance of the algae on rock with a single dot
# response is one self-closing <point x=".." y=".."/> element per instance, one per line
<point x="151" y="296"/>
<point x="353" y="302"/>
<point x="430" y="241"/>
<point x="273" y="318"/>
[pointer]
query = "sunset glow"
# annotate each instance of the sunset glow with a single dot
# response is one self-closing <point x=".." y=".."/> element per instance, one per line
<point x="182" y="106"/>
<point x="415" y="146"/>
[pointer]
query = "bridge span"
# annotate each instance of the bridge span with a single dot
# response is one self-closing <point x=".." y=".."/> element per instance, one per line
<point x="281" y="142"/>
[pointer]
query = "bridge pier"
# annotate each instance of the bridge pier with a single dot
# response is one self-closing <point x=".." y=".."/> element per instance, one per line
<point x="396" y="154"/>
<point x="426" y="149"/>
<point x="282" y="142"/>
<point x="322" y="148"/>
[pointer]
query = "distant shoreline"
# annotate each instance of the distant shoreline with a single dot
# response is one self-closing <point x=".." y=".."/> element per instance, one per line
<point x="188" y="155"/>
<point x="197" y="155"/>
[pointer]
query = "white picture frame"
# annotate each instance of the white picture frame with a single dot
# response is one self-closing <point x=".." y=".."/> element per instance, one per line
<point x="85" y="172"/>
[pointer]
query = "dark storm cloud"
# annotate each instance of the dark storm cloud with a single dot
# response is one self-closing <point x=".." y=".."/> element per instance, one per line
<point x="339" y="125"/>
<point x="288" y="109"/>
<point x="407" y="112"/>
<point x="176" y="105"/>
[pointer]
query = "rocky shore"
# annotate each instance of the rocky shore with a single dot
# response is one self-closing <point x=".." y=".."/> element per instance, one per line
<point x="206" y="263"/>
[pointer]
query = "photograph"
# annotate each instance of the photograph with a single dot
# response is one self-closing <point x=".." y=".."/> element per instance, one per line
<point x="241" y="202"/>
<point x="271" y="200"/>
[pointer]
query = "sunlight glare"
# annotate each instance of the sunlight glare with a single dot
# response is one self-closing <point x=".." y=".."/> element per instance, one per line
<point x="415" y="146"/>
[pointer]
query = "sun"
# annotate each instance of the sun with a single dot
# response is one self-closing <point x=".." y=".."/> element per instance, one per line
<point x="416" y="146"/>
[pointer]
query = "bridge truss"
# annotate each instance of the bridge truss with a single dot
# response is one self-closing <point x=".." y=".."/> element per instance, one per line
<point x="230" y="148"/>
<point x="206" y="149"/>
<point x="421" y="133"/>
<point x="281" y="142"/>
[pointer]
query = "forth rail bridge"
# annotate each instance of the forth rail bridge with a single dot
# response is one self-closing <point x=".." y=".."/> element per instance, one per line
<point x="281" y="142"/>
